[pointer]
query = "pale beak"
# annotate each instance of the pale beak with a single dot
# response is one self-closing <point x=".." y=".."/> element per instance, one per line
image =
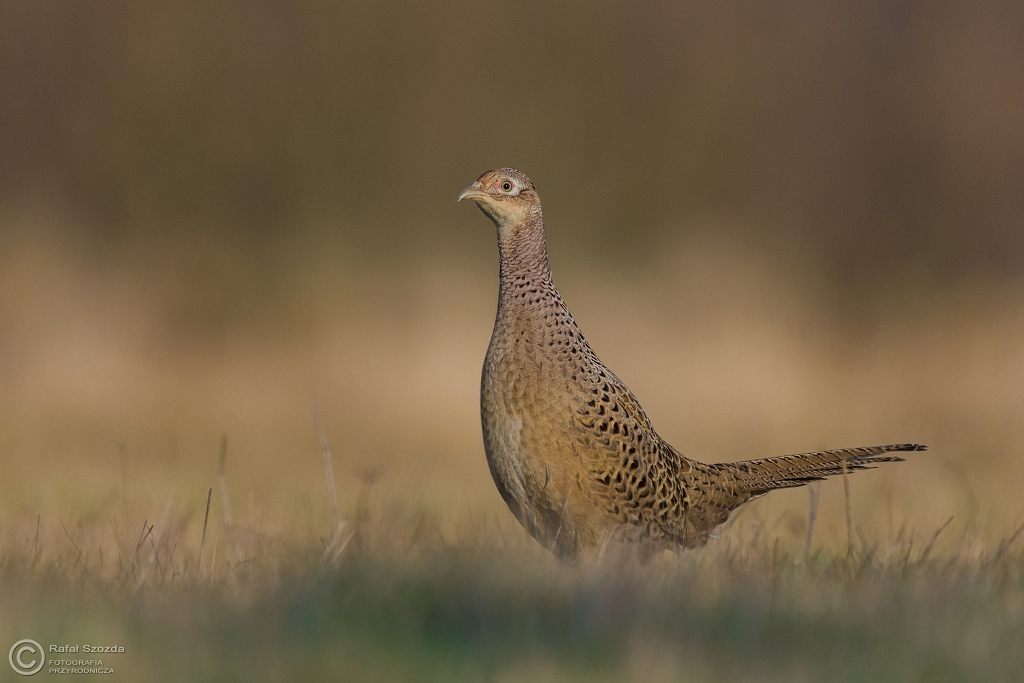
<point x="471" y="192"/>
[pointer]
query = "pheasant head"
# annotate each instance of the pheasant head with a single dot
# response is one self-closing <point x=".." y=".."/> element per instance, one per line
<point x="506" y="196"/>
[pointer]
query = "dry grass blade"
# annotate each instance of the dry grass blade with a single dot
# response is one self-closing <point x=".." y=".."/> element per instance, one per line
<point x="325" y="449"/>
<point x="161" y="525"/>
<point x="1005" y="545"/>
<point x="123" y="452"/>
<point x="36" y="550"/>
<point x="935" y="536"/>
<point x="213" y="559"/>
<point x="146" y="531"/>
<point x="332" y="553"/>
<point x="812" y="514"/>
<point x="69" y="535"/>
<point x="202" y="541"/>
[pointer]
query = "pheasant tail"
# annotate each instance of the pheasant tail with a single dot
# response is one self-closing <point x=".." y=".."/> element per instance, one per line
<point x="758" y="477"/>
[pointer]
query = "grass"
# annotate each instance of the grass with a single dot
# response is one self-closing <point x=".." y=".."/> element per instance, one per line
<point x="427" y="597"/>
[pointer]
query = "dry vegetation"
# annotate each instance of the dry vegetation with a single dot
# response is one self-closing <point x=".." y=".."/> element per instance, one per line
<point x="429" y="596"/>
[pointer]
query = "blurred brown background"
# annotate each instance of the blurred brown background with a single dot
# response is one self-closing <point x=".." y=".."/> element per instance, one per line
<point x="786" y="226"/>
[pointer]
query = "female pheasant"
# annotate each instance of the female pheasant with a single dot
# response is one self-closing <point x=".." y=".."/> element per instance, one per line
<point x="570" y="448"/>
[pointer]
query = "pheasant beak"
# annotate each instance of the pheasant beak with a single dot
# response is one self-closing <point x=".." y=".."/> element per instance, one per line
<point x="471" y="192"/>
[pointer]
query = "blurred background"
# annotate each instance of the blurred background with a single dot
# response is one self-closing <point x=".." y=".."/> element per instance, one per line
<point x="785" y="226"/>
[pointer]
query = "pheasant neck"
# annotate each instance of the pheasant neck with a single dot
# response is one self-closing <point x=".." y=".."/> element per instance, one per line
<point x="523" y="254"/>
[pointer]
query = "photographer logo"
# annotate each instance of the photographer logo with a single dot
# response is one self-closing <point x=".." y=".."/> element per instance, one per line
<point x="26" y="657"/>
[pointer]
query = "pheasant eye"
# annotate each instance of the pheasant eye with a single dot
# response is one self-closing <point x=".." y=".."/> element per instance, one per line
<point x="506" y="186"/>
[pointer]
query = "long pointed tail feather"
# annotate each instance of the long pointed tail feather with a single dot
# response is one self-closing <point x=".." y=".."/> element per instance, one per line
<point x="767" y="474"/>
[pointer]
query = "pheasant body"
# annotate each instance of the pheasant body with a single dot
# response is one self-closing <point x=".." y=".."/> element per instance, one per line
<point x="569" y="446"/>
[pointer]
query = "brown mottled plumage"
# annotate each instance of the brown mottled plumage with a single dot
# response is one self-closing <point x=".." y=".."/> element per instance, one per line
<point x="570" y="448"/>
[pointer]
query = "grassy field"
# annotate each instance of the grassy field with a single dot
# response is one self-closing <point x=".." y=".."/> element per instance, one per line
<point x="440" y="598"/>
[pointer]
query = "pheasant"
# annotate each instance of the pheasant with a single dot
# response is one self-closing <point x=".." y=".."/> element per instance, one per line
<point x="569" y="447"/>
